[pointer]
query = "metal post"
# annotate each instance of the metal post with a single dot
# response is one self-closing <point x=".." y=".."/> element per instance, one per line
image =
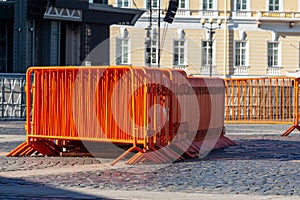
<point x="210" y="49"/>
<point x="158" y="35"/>
<point x="211" y="31"/>
<point x="225" y="39"/>
<point x="151" y="30"/>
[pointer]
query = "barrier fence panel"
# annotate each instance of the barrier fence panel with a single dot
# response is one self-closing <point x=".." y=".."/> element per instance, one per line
<point x="12" y="97"/>
<point x="153" y="112"/>
<point x="262" y="100"/>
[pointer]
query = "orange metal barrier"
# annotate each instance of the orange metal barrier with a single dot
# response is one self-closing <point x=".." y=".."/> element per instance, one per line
<point x="154" y="111"/>
<point x="263" y="100"/>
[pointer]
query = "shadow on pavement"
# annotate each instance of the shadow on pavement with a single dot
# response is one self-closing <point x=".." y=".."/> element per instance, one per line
<point x="254" y="149"/>
<point x="11" y="188"/>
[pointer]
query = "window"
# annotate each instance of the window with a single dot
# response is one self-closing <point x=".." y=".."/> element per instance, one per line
<point x="155" y="4"/>
<point x="99" y="1"/>
<point x="206" y="53"/>
<point x="273" y="5"/>
<point x="151" y="48"/>
<point x="273" y="51"/>
<point x="207" y="4"/>
<point x="179" y="52"/>
<point x="122" y="51"/>
<point x="183" y="4"/>
<point x="241" y="5"/>
<point x="240" y="53"/>
<point x="124" y="3"/>
<point x="151" y="57"/>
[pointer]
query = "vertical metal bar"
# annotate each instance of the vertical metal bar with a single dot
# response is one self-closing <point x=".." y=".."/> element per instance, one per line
<point x="296" y="98"/>
<point x="271" y="116"/>
<point x="250" y="99"/>
<point x="210" y="49"/>
<point x="232" y="99"/>
<point x="145" y="123"/>
<point x="238" y="99"/>
<point x="28" y="103"/>
<point x="257" y="90"/>
<point x="287" y="101"/>
<point x="21" y="95"/>
<point x="276" y="100"/>
<point x="158" y="39"/>
<point x="133" y="109"/>
<point x="282" y="100"/>
<point x="225" y="38"/>
<point x="226" y="100"/>
<point x="245" y="99"/>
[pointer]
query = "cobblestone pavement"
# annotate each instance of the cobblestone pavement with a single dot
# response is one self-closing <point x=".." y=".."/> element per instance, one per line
<point x="261" y="164"/>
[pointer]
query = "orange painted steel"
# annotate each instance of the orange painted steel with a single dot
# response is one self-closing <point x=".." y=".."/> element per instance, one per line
<point x="151" y="110"/>
<point x="263" y="101"/>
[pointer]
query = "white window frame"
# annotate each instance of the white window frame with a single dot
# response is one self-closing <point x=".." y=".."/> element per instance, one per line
<point x="245" y="56"/>
<point x="214" y="6"/>
<point x="154" y="51"/>
<point x="120" y="54"/>
<point x="280" y="9"/>
<point x="206" y="51"/>
<point x="146" y="2"/>
<point x="278" y="55"/>
<point x="248" y="5"/>
<point x="180" y="62"/>
<point x="187" y="4"/>
<point x="123" y="1"/>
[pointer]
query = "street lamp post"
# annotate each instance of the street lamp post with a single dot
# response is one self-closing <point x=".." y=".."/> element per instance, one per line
<point x="211" y="31"/>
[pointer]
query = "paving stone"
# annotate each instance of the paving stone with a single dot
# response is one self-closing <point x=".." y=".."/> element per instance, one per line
<point x="259" y="164"/>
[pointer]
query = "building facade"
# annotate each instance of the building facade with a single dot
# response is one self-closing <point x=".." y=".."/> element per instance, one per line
<point x="57" y="32"/>
<point x="256" y="38"/>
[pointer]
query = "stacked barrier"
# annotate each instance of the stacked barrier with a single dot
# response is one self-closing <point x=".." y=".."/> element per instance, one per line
<point x="12" y="96"/>
<point x="153" y="112"/>
<point x="263" y="100"/>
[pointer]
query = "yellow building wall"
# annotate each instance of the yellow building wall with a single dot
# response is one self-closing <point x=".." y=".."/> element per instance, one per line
<point x="291" y="5"/>
<point x="111" y="2"/>
<point x="257" y="47"/>
<point x="219" y="51"/>
<point x="195" y="5"/>
<point x="167" y="48"/>
<point x="114" y="33"/>
<point x="258" y="5"/>
<point x="256" y="37"/>
<point x="136" y="40"/>
<point x="194" y="40"/>
<point x="221" y="5"/>
<point x="137" y="47"/>
<point x="290" y="52"/>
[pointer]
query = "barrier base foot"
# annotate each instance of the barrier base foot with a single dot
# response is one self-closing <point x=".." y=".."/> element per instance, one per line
<point x="290" y="130"/>
<point x="224" y="141"/>
<point x="45" y="147"/>
<point x="19" y="150"/>
<point x="125" y="154"/>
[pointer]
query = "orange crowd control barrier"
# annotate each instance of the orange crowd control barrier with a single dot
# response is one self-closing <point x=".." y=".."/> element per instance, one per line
<point x="159" y="114"/>
<point x="263" y="100"/>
